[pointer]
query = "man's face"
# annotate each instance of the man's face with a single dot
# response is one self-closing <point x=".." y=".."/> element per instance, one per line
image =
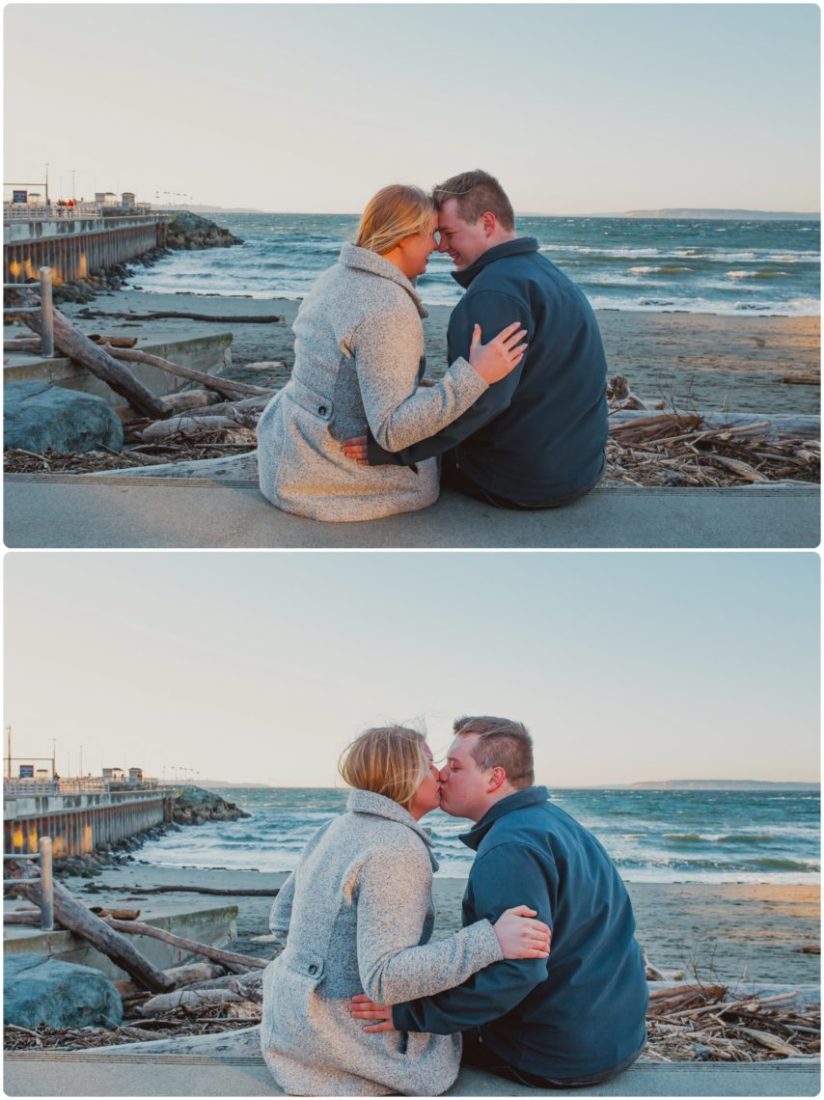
<point x="464" y="786"/>
<point x="464" y="242"/>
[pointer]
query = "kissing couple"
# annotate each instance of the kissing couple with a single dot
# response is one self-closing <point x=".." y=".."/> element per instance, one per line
<point x="545" y="983"/>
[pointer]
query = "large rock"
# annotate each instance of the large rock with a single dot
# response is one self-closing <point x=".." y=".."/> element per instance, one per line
<point x="40" y="990"/>
<point x="194" y="806"/>
<point x="38" y="416"/>
<point x="189" y="231"/>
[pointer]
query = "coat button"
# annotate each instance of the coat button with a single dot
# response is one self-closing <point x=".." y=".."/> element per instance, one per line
<point x="313" y="969"/>
<point x="322" y="410"/>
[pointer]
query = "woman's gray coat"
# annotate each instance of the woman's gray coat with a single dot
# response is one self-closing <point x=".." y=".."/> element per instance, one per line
<point x="359" y="356"/>
<point x="354" y="917"/>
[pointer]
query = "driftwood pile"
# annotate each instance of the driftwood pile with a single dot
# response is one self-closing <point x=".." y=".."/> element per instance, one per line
<point x="675" y="449"/>
<point x="215" y="416"/>
<point x="696" y="1023"/>
<point x="195" y="998"/>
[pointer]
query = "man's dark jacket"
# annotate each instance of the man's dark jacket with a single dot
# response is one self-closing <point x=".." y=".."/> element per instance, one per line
<point x="538" y="434"/>
<point x="579" y="1012"/>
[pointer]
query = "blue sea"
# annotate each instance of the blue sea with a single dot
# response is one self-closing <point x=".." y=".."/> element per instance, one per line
<point x="652" y="835"/>
<point x="651" y="265"/>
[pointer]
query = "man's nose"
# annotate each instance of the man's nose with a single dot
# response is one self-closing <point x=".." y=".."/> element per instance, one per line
<point x="443" y="775"/>
<point x="441" y="245"/>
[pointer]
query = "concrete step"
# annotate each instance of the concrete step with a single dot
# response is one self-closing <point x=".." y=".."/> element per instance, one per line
<point x="80" y="1074"/>
<point x="81" y="511"/>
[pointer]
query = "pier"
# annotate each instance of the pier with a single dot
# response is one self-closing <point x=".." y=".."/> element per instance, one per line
<point x="75" y="244"/>
<point x="79" y="816"/>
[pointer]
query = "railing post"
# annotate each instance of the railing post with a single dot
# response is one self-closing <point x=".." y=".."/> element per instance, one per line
<point x="46" y="885"/>
<point x="46" y="314"/>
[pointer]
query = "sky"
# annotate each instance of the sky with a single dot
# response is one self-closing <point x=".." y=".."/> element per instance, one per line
<point x="259" y="667"/>
<point x="577" y="108"/>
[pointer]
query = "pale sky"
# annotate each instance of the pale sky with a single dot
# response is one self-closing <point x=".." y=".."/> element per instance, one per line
<point x="261" y="667"/>
<point x="581" y="108"/>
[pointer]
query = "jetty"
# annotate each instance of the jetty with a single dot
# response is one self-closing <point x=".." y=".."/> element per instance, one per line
<point x="76" y="241"/>
<point x="80" y="815"/>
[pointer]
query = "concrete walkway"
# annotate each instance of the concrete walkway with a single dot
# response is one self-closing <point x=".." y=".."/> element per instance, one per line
<point x="82" y="511"/>
<point x="112" y="1074"/>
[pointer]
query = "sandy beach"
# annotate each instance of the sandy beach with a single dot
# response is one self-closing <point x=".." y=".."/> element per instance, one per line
<point x="723" y="932"/>
<point x="699" y="361"/>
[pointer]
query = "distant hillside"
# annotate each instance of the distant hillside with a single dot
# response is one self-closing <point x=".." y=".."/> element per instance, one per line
<point x="733" y="215"/>
<point x="721" y="785"/>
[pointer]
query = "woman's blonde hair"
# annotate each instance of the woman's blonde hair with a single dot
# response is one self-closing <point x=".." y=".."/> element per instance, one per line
<point x="396" y="212"/>
<point x="388" y="760"/>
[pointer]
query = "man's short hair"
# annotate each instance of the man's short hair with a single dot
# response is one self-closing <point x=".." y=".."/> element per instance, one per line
<point x="476" y="192"/>
<point x="501" y="743"/>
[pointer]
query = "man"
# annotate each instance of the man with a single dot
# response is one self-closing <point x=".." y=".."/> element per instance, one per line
<point x="576" y="1018"/>
<point x="535" y="439"/>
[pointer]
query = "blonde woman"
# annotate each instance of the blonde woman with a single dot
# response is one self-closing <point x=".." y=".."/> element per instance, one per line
<point x="359" y="361"/>
<point x="355" y="917"/>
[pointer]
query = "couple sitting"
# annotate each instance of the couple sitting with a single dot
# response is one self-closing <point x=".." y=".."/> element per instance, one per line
<point x="359" y="1003"/>
<point x="519" y="420"/>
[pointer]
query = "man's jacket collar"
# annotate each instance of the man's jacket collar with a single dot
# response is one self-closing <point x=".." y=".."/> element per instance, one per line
<point x="367" y="802"/>
<point x="364" y="259"/>
<point x="531" y="796"/>
<point x="518" y="247"/>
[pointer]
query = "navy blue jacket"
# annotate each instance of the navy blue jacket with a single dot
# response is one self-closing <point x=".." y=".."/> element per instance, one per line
<point x="540" y="433"/>
<point x="581" y="1010"/>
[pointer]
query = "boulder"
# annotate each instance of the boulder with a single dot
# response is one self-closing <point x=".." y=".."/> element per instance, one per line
<point x="38" y="416"/>
<point x="40" y="990"/>
<point x="189" y="231"/>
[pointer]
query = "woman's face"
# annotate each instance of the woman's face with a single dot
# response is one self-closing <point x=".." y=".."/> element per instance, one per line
<point x="428" y="795"/>
<point x="418" y="248"/>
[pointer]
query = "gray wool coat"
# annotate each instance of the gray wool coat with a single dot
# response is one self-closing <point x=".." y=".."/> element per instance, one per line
<point x="359" y="356"/>
<point x="355" y="917"/>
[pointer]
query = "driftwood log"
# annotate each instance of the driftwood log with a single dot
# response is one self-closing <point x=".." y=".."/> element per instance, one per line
<point x="163" y="429"/>
<point x="249" y="892"/>
<point x="224" y="386"/>
<point x="114" y="341"/>
<point x="187" y="974"/>
<point x="227" y="958"/>
<point x="190" y="999"/>
<point x="192" y="399"/>
<point x="269" y="319"/>
<point x="99" y="933"/>
<point x="249" y="984"/>
<point x="242" y="405"/>
<point x="70" y="341"/>
<point x="22" y="344"/>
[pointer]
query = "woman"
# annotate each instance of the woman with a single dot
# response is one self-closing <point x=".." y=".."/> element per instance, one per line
<point x="353" y="918"/>
<point x="359" y="361"/>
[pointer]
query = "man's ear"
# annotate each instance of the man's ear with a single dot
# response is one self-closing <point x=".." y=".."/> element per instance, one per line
<point x="489" y="222"/>
<point x="496" y="779"/>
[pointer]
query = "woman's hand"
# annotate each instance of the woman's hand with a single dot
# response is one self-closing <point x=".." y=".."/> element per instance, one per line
<point x="379" y="1017"/>
<point x="520" y="937"/>
<point x="498" y="358"/>
<point x="355" y="448"/>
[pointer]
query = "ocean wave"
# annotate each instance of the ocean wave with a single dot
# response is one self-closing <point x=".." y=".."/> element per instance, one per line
<point x="796" y="307"/>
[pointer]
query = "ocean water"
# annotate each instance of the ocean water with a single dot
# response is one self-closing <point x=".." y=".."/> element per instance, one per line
<point x="653" y="836"/>
<point x="651" y="265"/>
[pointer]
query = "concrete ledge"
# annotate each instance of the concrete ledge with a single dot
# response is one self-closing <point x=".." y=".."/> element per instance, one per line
<point x="78" y="1074"/>
<point x="209" y="352"/>
<point x="85" y="511"/>
<point x="215" y="926"/>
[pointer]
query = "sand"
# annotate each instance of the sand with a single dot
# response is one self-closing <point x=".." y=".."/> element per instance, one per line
<point x="726" y="932"/>
<point x="700" y="361"/>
